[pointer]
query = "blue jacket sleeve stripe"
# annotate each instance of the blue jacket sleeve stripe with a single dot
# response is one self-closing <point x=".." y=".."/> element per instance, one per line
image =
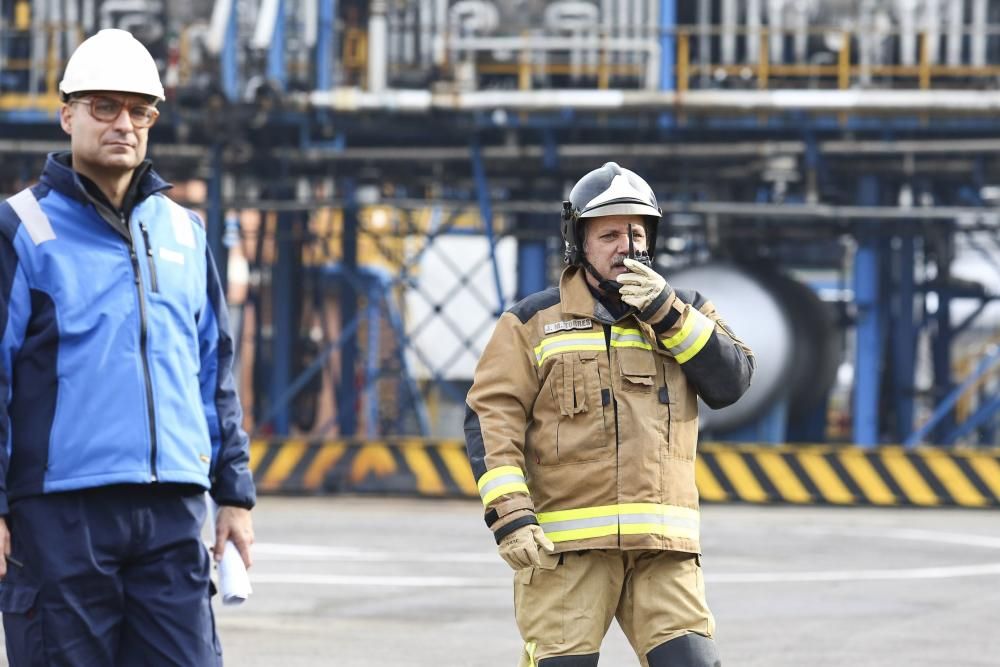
<point x="232" y="482"/>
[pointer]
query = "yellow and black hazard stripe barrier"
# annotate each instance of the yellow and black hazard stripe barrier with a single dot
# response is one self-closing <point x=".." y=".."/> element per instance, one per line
<point x="814" y="474"/>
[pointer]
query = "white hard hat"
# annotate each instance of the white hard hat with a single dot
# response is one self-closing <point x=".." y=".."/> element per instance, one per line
<point x="112" y="60"/>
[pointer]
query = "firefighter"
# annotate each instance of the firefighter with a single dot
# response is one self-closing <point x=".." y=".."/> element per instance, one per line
<point x="582" y="427"/>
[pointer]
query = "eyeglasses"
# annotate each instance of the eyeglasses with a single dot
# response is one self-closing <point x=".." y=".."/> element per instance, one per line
<point x="107" y="110"/>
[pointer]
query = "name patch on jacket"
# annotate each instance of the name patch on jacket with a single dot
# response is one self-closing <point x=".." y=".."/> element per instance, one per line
<point x="568" y="325"/>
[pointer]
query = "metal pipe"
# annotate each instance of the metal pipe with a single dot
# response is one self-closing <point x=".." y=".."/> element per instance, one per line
<point x="704" y="39"/>
<point x="400" y="100"/>
<point x="377" y="47"/>
<point x="978" y="44"/>
<point x="668" y="40"/>
<point x="956" y="17"/>
<point x="775" y="20"/>
<point x="730" y="14"/>
<point x="906" y="11"/>
<point x="753" y="31"/>
<point x="932" y="21"/>
<point x="441" y="29"/>
<point x="801" y="30"/>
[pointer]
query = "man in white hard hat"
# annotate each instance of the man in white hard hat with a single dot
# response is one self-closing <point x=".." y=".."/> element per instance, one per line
<point x="119" y="407"/>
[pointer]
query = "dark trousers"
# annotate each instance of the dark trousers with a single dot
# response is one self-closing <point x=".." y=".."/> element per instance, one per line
<point x="111" y="577"/>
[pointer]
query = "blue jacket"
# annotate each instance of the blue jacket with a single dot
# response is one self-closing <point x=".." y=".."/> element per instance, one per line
<point x="116" y="357"/>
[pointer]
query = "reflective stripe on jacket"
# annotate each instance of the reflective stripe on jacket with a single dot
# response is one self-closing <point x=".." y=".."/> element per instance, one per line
<point x="589" y="426"/>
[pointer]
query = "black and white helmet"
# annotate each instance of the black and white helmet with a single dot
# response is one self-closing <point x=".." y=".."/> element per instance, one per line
<point x="610" y="190"/>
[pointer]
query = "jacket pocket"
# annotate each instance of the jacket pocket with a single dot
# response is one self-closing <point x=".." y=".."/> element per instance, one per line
<point x="581" y="428"/>
<point x="637" y="369"/>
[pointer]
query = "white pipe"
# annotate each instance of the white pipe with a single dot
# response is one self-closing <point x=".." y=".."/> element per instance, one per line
<point x="441" y="29"/>
<point x="89" y="16"/>
<point x="267" y="17"/>
<point x="906" y="10"/>
<point x="377" y="46"/>
<point x="801" y="30"/>
<point x="704" y="38"/>
<point x="730" y="14"/>
<point x="38" y="46"/>
<point x="932" y="22"/>
<point x="753" y="30"/>
<point x="401" y="100"/>
<point x="310" y="20"/>
<point x="409" y="34"/>
<point x="638" y="27"/>
<point x="866" y="40"/>
<point x="776" y="20"/>
<point x="72" y="21"/>
<point x="978" y="46"/>
<point x="956" y="31"/>
<point x="217" y="26"/>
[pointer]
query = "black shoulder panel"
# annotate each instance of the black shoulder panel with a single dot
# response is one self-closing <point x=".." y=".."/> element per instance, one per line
<point x="526" y="308"/>
<point x="691" y="296"/>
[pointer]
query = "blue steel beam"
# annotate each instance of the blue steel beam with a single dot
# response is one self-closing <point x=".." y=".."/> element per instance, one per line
<point x="326" y="44"/>
<point x="347" y="393"/>
<point x="904" y="338"/>
<point x="868" y="359"/>
<point x="668" y="43"/>
<point x="229" y="62"/>
<point x="276" y="52"/>
<point x="944" y="333"/>
<point x="283" y="321"/>
<point x="486" y="212"/>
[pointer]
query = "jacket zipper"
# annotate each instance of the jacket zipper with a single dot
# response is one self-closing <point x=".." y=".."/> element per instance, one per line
<point x="151" y="413"/>
<point x="149" y="257"/>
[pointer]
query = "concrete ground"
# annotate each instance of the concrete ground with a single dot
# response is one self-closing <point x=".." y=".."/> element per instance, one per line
<point x="360" y="582"/>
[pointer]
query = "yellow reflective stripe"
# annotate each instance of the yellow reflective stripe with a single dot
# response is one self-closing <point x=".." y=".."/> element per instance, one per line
<point x="699" y="343"/>
<point x="582" y="513"/>
<point x="501" y="480"/>
<point x="499" y="471"/>
<point x="529" y="649"/>
<point x="582" y="533"/>
<point x="571" y="342"/>
<point x="622" y="337"/>
<point x="678" y="337"/>
<point x="496" y="492"/>
<point x="625" y="519"/>
<point x="658" y="529"/>
<point x="692" y="337"/>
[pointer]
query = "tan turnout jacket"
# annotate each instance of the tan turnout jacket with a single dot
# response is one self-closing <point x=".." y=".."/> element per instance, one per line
<point x="589" y="426"/>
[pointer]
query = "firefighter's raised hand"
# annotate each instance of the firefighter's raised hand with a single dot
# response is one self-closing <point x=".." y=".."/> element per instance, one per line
<point x="642" y="288"/>
<point x="520" y="549"/>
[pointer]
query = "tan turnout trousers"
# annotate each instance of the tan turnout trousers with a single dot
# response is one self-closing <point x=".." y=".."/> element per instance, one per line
<point x="565" y="606"/>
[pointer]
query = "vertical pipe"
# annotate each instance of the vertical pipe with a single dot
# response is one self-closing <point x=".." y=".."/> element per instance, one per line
<point x="753" y="31"/>
<point x="924" y="69"/>
<point x="683" y="61"/>
<point x="730" y="13"/>
<point x="486" y="212"/>
<point x="347" y="394"/>
<point x="906" y="10"/>
<point x="276" y="70"/>
<point x="229" y="64"/>
<point x="844" y="63"/>
<point x="531" y="260"/>
<point x="978" y="45"/>
<point x="441" y="31"/>
<point x="941" y="342"/>
<point x="377" y="46"/>
<point x="373" y="325"/>
<point x="868" y="359"/>
<point x="801" y="30"/>
<point x="214" y="223"/>
<point x="668" y="23"/>
<point x="904" y="339"/>
<point x="776" y="28"/>
<point x="866" y="41"/>
<point x="704" y="40"/>
<point x="326" y="41"/>
<point x="282" y="320"/>
<point x="956" y="32"/>
<point x="932" y="21"/>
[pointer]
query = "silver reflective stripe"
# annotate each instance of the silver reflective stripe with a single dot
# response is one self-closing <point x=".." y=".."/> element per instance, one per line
<point x="627" y="338"/>
<point x="500" y="481"/>
<point x="32" y="216"/>
<point x="660" y="519"/>
<point x="699" y="323"/>
<point x="575" y="524"/>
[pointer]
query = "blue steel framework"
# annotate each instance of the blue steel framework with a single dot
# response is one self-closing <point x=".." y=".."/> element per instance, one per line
<point x="883" y="266"/>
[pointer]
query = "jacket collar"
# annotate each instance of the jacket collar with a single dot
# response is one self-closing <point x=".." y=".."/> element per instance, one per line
<point x="577" y="299"/>
<point x="59" y="175"/>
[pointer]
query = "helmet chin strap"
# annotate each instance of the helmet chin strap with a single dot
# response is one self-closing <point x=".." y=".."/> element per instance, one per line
<point x="603" y="284"/>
